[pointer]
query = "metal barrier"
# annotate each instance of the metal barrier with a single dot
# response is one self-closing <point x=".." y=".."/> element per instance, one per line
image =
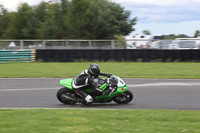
<point x="62" y="44"/>
<point x="141" y="43"/>
<point x="21" y="55"/>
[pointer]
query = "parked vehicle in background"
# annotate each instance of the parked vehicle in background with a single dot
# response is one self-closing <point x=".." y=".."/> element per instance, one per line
<point x="198" y="43"/>
<point x="130" y="46"/>
<point x="185" y="44"/>
<point x="174" y="44"/>
<point x="139" y="41"/>
<point x="162" y="44"/>
<point x="142" y="41"/>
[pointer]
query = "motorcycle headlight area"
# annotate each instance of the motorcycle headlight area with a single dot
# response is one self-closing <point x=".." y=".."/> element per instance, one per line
<point x="114" y="81"/>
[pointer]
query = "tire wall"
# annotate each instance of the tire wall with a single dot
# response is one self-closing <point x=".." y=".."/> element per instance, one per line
<point x="132" y="55"/>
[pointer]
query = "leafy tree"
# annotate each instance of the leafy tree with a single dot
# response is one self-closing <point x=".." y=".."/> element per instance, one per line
<point x="23" y="22"/>
<point x="173" y="36"/>
<point x="4" y="20"/>
<point x="41" y="14"/>
<point x="52" y="27"/>
<point x="7" y="22"/>
<point x="98" y="19"/>
<point x="146" y="32"/>
<point x="41" y="11"/>
<point x="75" y="19"/>
<point x="110" y="19"/>
<point x="121" y="41"/>
<point x="70" y="19"/>
<point x="197" y="33"/>
<point x="169" y="37"/>
<point x="64" y="6"/>
<point x="181" y="36"/>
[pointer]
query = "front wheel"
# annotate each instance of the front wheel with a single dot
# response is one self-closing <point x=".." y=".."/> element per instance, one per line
<point x="124" y="97"/>
<point x="62" y="92"/>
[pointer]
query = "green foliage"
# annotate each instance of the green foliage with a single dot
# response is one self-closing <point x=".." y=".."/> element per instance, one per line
<point x="146" y="32"/>
<point x="3" y="20"/>
<point x="75" y="19"/>
<point x="181" y="36"/>
<point x="120" y="43"/>
<point x="173" y="36"/>
<point x="6" y="23"/>
<point x="52" y="28"/>
<point x="111" y="20"/>
<point x="24" y="22"/>
<point x="197" y="33"/>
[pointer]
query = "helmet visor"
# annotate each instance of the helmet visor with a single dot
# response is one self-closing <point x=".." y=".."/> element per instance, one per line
<point x="95" y="72"/>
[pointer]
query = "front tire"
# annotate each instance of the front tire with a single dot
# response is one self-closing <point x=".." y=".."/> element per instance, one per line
<point x="124" y="97"/>
<point x="62" y="91"/>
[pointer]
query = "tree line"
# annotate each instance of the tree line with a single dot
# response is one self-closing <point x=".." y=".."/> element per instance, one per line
<point x="74" y="19"/>
<point x="173" y="36"/>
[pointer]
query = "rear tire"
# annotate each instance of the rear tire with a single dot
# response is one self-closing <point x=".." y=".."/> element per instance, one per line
<point x="62" y="91"/>
<point x="124" y="97"/>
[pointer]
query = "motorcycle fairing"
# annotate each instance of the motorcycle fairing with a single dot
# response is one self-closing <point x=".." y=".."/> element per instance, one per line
<point x="67" y="83"/>
<point x="103" y="98"/>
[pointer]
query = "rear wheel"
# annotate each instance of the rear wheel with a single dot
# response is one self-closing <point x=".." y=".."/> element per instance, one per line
<point x="124" y="97"/>
<point x="65" y="91"/>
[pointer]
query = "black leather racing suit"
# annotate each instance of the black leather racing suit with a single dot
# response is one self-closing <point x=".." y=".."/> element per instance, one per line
<point x="85" y="80"/>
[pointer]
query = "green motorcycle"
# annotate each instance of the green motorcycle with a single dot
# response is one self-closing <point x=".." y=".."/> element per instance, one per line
<point x="116" y="87"/>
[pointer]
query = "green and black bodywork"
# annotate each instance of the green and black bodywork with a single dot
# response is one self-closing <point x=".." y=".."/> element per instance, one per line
<point x="120" y="94"/>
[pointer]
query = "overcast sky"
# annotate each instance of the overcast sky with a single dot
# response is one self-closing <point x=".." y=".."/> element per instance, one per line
<point x="159" y="16"/>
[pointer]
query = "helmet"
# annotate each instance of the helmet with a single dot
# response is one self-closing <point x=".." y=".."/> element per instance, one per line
<point x="94" y="70"/>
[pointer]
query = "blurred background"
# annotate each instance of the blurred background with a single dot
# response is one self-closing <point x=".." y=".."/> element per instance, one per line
<point x="101" y="25"/>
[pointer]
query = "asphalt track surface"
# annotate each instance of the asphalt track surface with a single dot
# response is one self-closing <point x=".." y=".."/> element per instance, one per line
<point x="176" y="94"/>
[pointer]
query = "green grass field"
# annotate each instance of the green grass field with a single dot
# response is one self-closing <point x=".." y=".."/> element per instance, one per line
<point x="98" y="121"/>
<point x="122" y="69"/>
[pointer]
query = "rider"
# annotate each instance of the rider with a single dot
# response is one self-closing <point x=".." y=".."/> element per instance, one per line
<point x="89" y="78"/>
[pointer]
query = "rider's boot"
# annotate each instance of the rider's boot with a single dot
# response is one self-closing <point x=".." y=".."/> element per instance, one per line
<point x="86" y="98"/>
<point x="89" y="99"/>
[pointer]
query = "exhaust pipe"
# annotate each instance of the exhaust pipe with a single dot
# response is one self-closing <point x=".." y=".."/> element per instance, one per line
<point x="68" y="97"/>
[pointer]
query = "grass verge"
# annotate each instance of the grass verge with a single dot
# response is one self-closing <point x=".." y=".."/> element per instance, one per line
<point x="122" y="69"/>
<point x="98" y="121"/>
